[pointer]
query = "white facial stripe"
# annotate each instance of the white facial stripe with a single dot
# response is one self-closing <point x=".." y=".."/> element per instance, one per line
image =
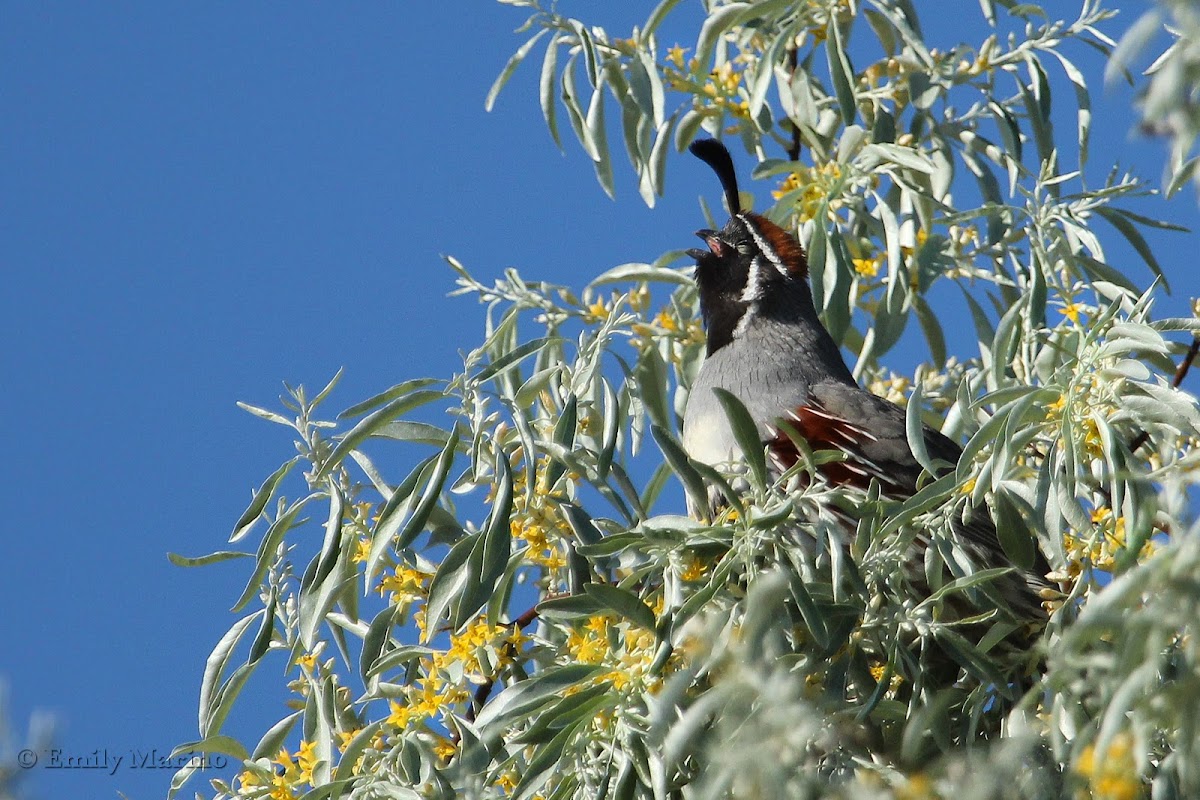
<point x="753" y="291"/>
<point x="764" y="247"/>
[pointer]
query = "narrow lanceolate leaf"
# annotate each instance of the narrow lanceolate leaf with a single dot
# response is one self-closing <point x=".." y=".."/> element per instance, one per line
<point x="1123" y="222"/>
<point x="521" y="698"/>
<point x="656" y="17"/>
<point x="1016" y="539"/>
<point x="570" y="99"/>
<point x="841" y="71"/>
<point x="651" y="374"/>
<point x="511" y="67"/>
<point x="489" y="557"/>
<point x="627" y="604"/>
<point x="394" y="513"/>
<point x="372" y="424"/>
<point x="514" y="357"/>
<point x="602" y="161"/>
<point x="214" y="667"/>
<point x="914" y="429"/>
<point x="693" y="484"/>
<point x="268" y="550"/>
<point x="259" y="502"/>
<point x="714" y="27"/>
<point x="266" y="631"/>
<point x="211" y="558"/>
<point x="268" y="746"/>
<point x="448" y="583"/>
<point x="269" y="416"/>
<point x="399" y="390"/>
<point x="564" y="436"/>
<point x="429" y="495"/>
<point x="627" y="273"/>
<point x="747" y="435"/>
<point x="546" y="89"/>
<point x="226" y="696"/>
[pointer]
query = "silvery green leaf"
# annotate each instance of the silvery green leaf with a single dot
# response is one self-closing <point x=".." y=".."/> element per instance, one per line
<point x="216" y="664"/>
<point x="1016" y="539"/>
<point x="428" y="498"/>
<point x="657" y="16"/>
<point x="1036" y="97"/>
<point x="657" y="95"/>
<point x="510" y="68"/>
<point x="1133" y="42"/>
<point x="513" y="357"/>
<point x="371" y="425"/>
<point x="688" y="127"/>
<point x="546" y="89"/>
<point x="914" y="430"/>
<point x="269" y="416"/>
<point x="602" y="163"/>
<point x="258" y="502"/>
<point x="448" y="583"/>
<point x="840" y="71"/>
<point x="626" y="604"/>
<point x="267" y="550"/>
<point x="575" y="111"/>
<point x="651" y="376"/>
<point x="1181" y="175"/>
<point x="590" y="59"/>
<point x="200" y="561"/>
<point x="746" y="433"/>
<point x="1082" y="101"/>
<point x="902" y="156"/>
<point x="715" y="26"/>
<point x="626" y="273"/>
<point x="931" y="327"/>
<point x="683" y="467"/>
<point x="1123" y="222"/>
<point x="518" y="699"/>
<point x="657" y="166"/>
<point x="226" y="696"/>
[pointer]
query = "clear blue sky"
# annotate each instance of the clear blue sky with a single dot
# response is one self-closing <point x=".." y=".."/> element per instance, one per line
<point x="202" y="200"/>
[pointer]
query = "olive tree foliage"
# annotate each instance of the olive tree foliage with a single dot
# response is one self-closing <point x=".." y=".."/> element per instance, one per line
<point x="484" y="586"/>
<point x="1168" y="99"/>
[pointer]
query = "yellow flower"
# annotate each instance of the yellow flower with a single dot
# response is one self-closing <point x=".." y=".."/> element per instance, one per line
<point x="307" y="662"/>
<point x="406" y="584"/>
<point x="345" y="737"/>
<point x="675" y="55"/>
<point x="666" y="321"/>
<point x="362" y="551"/>
<point x="1071" y="312"/>
<point x="968" y="487"/>
<point x="597" y="312"/>
<point x="693" y="569"/>
<point x="1113" y="776"/>
<point x="444" y="749"/>
<point x="868" y="267"/>
<point x="589" y="645"/>
<point x="306" y="760"/>
<point x="507" y="781"/>
<point x="400" y="714"/>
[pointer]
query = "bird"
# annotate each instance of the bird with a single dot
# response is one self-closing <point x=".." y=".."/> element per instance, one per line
<point x="768" y="348"/>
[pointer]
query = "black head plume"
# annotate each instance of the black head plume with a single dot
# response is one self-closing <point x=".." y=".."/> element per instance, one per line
<point x="713" y="153"/>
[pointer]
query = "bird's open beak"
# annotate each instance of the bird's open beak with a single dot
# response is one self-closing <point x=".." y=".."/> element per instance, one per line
<point x="714" y="242"/>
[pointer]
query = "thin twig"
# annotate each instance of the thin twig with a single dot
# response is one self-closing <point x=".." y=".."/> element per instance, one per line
<point x="794" y="149"/>
<point x="485" y="689"/>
